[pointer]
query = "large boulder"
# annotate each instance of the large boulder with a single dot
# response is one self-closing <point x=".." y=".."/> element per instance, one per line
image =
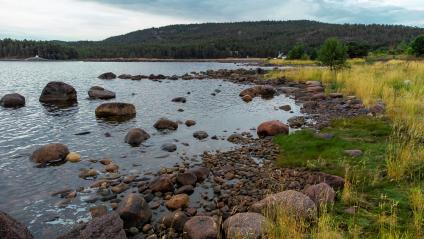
<point x="291" y="202"/>
<point x="136" y="136"/>
<point x="272" y="128"/>
<point x="162" y="184"/>
<point x="115" y="110"/>
<point x="248" y="225"/>
<point x="265" y="91"/>
<point x="321" y="194"/>
<point x="178" y="201"/>
<point x="12" y="101"/>
<point x="10" y="228"/>
<point x="50" y="153"/>
<point x="134" y="210"/>
<point x="201" y="227"/>
<point x="165" y="124"/>
<point x="97" y="92"/>
<point x="174" y="220"/>
<point x="107" y="76"/>
<point x="107" y="226"/>
<point x="56" y="92"/>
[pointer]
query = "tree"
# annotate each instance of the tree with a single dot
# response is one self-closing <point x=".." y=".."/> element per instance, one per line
<point x="296" y="53"/>
<point x="418" y="46"/>
<point x="333" y="54"/>
<point x="357" y="50"/>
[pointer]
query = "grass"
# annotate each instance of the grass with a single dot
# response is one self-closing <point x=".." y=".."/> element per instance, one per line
<point x="384" y="185"/>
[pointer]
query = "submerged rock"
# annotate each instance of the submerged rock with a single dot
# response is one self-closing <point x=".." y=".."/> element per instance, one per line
<point x="190" y="123"/>
<point x="272" y="128"/>
<point x="165" y="124"/>
<point x="107" y="76"/>
<point x="12" y="101"/>
<point x="115" y="110"/>
<point x="136" y="136"/>
<point x="56" y="92"/>
<point x="200" y="135"/>
<point x="107" y="226"/>
<point x="179" y="100"/>
<point x="10" y="228"/>
<point x="50" y="153"/>
<point x="97" y="92"/>
<point x="188" y="178"/>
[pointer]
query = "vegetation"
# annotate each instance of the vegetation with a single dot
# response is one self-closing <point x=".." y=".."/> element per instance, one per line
<point x="219" y="40"/>
<point x="418" y="46"/>
<point x="297" y="53"/>
<point x="333" y="54"/>
<point x="385" y="185"/>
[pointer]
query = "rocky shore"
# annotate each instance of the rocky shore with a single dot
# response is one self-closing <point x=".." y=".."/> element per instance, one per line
<point x="220" y="196"/>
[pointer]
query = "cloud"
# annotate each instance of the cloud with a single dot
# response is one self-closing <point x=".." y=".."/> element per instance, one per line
<point x="99" y="19"/>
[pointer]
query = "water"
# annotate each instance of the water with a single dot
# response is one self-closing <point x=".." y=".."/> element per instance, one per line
<point x="24" y="189"/>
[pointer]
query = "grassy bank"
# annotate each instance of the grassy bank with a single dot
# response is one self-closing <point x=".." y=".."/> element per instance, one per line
<point x="384" y="186"/>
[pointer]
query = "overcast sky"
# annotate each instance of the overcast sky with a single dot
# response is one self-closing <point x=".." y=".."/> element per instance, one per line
<point x="99" y="19"/>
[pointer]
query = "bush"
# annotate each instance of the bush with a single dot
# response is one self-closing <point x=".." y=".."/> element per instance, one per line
<point x="418" y="46"/>
<point x="297" y="53"/>
<point x="333" y="54"/>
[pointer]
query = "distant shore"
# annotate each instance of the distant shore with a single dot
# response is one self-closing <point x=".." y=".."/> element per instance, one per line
<point x="223" y="60"/>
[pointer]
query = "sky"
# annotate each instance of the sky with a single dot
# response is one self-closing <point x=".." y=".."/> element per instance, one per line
<point x="73" y="20"/>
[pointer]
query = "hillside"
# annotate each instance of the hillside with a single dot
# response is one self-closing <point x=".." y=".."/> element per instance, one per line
<point x="243" y="39"/>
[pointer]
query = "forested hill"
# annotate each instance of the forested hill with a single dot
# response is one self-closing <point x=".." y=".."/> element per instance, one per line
<point x="253" y="39"/>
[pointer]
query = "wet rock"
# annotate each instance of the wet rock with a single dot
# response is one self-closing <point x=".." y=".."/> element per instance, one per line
<point x="134" y="211"/>
<point x="235" y="138"/>
<point x="272" y="128"/>
<point x="201" y="227"/>
<point x="174" y="220"/>
<point x="353" y="153"/>
<point x="293" y="202"/>
<point x="88" y="173"/>
<point x="106" y="161"/>
<point x="73" y="157"/>
<point x="285" y="107"/>
<point x="321" y="194"/>
<point x="115" y="109"/>
<point x="178" y="201"/>
<point x="58" y="93"/>
<point x="108" y="226"/>
<point x="265" y="91"/>
<point x="10" y="228"/>
<point x="200" y="135"/>
<point x="98" y="211"/>
<point x="169" y="147"/>
<point x="162" y="184"/>
<point x="245" y="225"/>
<point x="296" y="121"/>
<point x="125" y="77"/>
<point x="112" y="168"/>
<point x="107" y="76"/>
<point x="190" y="123"/>
<point x="50" y="153"/>
<point x="201" y="172"/>
<point x="12" y="101"/>
<point x="335" y="95"/>
<point x="188" y="178"/>
<point x="165" y="124"/>
<point x="179" y="100"/>
<point x="187" y="189"/>
<point x="120" y="188"/>
<point x="136" y="136"/>
<point x="247" y="98"/>
<point x="97" y="92"/>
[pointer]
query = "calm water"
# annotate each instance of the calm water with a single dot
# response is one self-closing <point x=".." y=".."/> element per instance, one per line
<point x="24" y="189"/>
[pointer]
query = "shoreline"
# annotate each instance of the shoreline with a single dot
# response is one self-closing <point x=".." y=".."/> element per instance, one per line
<point x="223" y="60"/>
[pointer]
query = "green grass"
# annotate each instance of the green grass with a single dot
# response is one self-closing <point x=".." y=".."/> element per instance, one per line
<point x="383" y="204"/>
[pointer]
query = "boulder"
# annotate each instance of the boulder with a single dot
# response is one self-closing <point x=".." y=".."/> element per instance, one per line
<point x="125" y="76"/>
<point x="190" y="123"/>
<point x="178" y="201"/>
<point x="246" y="225"/>
<point x="73" y="157"/>
<point x="179" y="100"/>
<point x="296" y="121"/>
<point x="107" y="76"/>
<point x="187" y="189"/>
<point x="115" y="110"/>
<point x="162" y="184"/>
<point x="285" y="107"/>
<point x="169" y="147"/>
<point x="174" y="220"/>
<point x="50" y="153"/>
<point x="107" y="226"/>
<point x="200" y="135"/>
<point x="12" y="101"/>
<point x="334" y="181"/>
<point x="112" y="168"/>
<point x="98" y="211"/>
<point x="201" y="227"/>
<point x="201" y="172"/>
<point x="134" y="211"/>
<point x="165" y="124"/>
<point x="265" y="91"/>
<point x="272" y="128"/>
<point x="292" y="202"/>
<point x="321" y="194"/>
<point x="247" y="98"/>
<point x="136" y="136"/>
<point x="58" y="93"/>
<point x="188" y="178"/>
<point x="97" y="92"/>
<point x="10" y="228"/>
